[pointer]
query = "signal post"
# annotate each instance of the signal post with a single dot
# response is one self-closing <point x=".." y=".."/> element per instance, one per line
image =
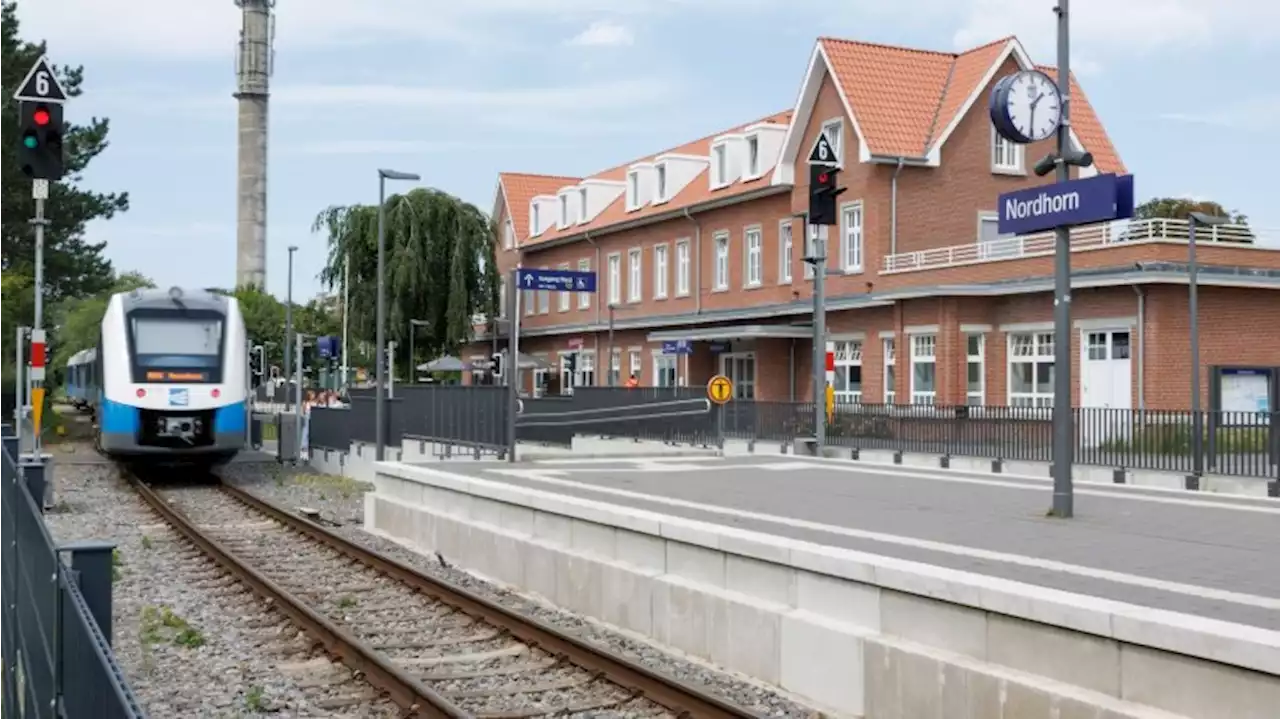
<point x="42" y="158"/>
<point x="824" y="170"/>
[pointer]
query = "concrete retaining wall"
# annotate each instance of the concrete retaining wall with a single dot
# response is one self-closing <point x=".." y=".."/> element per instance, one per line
<point x="860" y="634"/>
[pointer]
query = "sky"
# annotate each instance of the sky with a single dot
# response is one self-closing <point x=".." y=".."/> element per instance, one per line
<point x="460" y="91"/>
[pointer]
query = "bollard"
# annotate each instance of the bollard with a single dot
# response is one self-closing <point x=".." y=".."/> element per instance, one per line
<point x="91" y="560"/>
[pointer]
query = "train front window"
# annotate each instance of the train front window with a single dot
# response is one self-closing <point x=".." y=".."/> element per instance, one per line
<point x="177" y="349"/>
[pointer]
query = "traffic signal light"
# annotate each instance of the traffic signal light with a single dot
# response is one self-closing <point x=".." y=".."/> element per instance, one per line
<point x="40" y="154"/>
<point x="497" y="364"/>
<point x="255" y="366"/>
<point x="822" y="195"/>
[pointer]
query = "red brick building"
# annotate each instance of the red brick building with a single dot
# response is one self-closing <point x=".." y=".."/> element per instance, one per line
<point x="705" y="242"/>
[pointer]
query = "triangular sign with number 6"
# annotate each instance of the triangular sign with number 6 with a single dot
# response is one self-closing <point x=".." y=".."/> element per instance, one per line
<point x="823" y="153"/>
<point x="40" y="84"/>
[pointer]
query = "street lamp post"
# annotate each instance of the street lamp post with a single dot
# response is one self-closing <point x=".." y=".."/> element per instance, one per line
<point x="288" y="326"/>
<point x="413" y="367"/>
<point x="1193" y="308"/>
<point x="380" y="403"/>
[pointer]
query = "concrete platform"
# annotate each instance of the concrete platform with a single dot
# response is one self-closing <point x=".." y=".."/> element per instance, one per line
<point x="879" y="627"/>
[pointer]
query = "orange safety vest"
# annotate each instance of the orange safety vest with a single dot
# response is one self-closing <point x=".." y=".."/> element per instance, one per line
<point x="633" y="382"/>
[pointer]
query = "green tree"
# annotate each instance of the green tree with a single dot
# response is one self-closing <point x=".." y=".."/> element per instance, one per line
<point x="1180" y="208"/>
<point x="73" y="266"/>
<point x="439" y="264"/>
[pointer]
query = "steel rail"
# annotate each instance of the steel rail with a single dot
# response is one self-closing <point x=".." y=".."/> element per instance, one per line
<point x="682" y="699"/>
<point x="407" y="692"/>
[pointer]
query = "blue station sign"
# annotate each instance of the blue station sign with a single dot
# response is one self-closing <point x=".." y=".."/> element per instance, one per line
<point x="559" y="280"/>
<point x="677" y="347"/>
<point x="1079" y="202"/>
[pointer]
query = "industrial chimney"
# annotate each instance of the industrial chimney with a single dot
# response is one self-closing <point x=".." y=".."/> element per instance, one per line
<point x="254" y="60"/>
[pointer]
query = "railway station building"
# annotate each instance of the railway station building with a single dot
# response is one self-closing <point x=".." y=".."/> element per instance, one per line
<point x="926" y="302"/>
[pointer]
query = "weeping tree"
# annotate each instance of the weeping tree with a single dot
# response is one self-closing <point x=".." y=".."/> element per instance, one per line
<point x="439" y="268"/>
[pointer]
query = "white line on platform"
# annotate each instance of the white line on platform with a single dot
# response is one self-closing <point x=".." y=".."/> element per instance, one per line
<point x="1039" y="484"/>
<point x="646" y="459"/>
<point x="917" y="543"/>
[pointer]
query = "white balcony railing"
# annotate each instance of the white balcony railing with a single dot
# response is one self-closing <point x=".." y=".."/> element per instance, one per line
<point x="1082" y="238"/>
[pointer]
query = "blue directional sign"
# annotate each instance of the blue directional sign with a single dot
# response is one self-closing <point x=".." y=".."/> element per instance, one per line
<point x="562" y="280"/>
<point x="677" y="347"/>
<point x="327" y="347"/>
<point x="1079" y="202"/>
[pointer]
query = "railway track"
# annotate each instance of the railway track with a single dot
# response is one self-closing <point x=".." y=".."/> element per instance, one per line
<point x="433" y="649"/>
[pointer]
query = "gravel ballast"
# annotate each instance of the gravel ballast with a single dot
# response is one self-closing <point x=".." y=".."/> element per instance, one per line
<point x="191" y="641"/>
<point x="342" y="499"/>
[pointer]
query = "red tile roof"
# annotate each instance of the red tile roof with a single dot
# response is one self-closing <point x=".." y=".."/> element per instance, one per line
<point x="903" y="100"/>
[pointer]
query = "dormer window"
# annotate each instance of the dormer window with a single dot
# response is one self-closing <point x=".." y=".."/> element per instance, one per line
<point x="662" y="183"/>
<point x="534" y="227"/>
<point x="633" y="189"/>
<point x="753" y="156"/>
<point x="564" y="210"/>
<point x="720" y="164"/>
<point x="582" y="205"/>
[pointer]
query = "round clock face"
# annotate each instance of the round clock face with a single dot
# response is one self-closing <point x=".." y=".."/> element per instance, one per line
<point x="1033" y="105"/>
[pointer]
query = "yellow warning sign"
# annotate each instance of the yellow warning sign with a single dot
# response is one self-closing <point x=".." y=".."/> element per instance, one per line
<point x="720" y="389"/>
<point x="831" y="403"/>
<point x="37" y="407"/>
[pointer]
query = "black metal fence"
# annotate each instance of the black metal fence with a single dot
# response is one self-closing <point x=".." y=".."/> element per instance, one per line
<point x="1234" y="443"/>
<point x="57" y="653"/>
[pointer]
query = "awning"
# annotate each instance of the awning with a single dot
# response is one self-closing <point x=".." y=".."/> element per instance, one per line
<point x="447" y="363"/>
<point x="733" y="332"/>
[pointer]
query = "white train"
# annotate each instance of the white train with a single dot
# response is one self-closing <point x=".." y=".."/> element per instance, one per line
<point x="168" y="379"/>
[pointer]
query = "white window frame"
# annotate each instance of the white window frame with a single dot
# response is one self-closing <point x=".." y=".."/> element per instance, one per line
<point x="752" y="256"/>
<point x="660" y="172"/>
<point x="584" y="298"/>
<point x="615" y="367"/>
<point x="836" y="138"/>
<point x="852" y="236"/>
<point x="544" y="299"/>
<point x="533" y="219"/>
<point x="661" y="270"/>
<point x="530" y="302"/>
<point x="753" y="156"/>
<point x="564" y="210"/>
<point x="742" y="387"/>
<point x="503" y="289"/>
<point x="565" y="300"/>
<point x="848" y="354"/>
<point x="924" y="352"/>
<point x="635" y="274"/>
<point x="719" y="164"/>
<point x="585" y="376"/>
<point x="975" y="397"/>
<point x="889" y="350"/>
<point x="635" y="364"/>
<point x="1003" y="247"/>
<point x="633" y="190"/>
<point x="1037" y="350"/>
<point x="684" y="263"/>
<point x="720" y="262"/>
<point x="1007" y="158"/>
<point x="786" y="251"/>
<point x="615" y="278"/>
<point x="508" y="235"/>
<point x="665" y="367"/>
<point x="582" y="205"/>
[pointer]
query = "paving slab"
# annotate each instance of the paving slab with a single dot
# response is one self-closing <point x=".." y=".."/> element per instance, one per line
<point x="1192" y="554"/>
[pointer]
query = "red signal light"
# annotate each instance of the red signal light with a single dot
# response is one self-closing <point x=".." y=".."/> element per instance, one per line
<point x="41" y="117"/>
<point x="822" y="178"/>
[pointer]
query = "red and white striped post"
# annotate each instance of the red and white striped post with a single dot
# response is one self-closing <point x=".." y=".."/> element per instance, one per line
<point x="831" y="380"/>
<point x="37" y="386"/>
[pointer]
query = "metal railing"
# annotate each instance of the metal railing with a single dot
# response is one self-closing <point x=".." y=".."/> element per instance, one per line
<point x="57" y="618"/>
<point x="1234" y="443"/>
<point x="1041" y="244"/>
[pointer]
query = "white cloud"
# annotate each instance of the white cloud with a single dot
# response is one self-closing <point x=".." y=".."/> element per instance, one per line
<point x="603" y="33"/>
<point x="579" y="98"/>
<point x="1256" y="114"/>
<point x="394" y="147"/>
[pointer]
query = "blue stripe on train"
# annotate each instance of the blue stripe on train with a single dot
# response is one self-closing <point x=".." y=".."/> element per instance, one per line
<point x="120" y="418"/>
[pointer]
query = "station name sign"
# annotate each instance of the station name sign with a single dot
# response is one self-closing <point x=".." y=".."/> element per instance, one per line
<point x="1102" y="198"/>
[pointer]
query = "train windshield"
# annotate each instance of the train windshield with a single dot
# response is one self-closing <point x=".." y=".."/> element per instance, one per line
<point x="177" y="349"/>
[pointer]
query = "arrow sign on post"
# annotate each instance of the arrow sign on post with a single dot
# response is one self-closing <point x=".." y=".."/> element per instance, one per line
<point x="40" y="84"/>
<point x="558" y="280"/>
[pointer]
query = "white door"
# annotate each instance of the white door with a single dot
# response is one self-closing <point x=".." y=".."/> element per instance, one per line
<point x="740" y="368"/>
<point x="1106" y="385"/>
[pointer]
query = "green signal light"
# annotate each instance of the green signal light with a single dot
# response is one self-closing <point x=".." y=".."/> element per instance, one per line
<point x="30" y="142"/>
